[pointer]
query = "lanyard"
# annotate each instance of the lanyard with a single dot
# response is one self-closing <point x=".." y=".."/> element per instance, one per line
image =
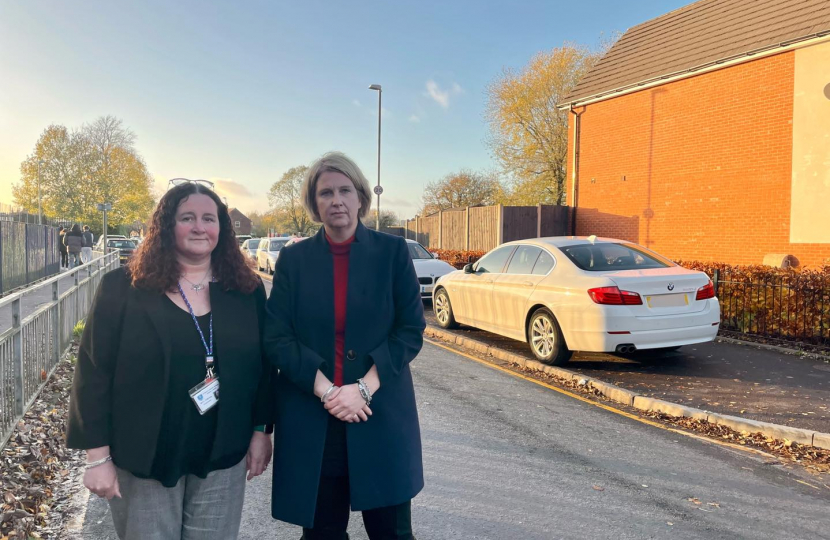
<point x="208" y="349"/>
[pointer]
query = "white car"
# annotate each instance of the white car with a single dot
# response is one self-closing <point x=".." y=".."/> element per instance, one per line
<point x="564" y="294"/>
<point x="249" y="248"/>
<point x="267" y="253"/>
<point x="427" y="267"/>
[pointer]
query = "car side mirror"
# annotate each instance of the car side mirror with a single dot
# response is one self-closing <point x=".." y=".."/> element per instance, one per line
<point x="468" y="268"/>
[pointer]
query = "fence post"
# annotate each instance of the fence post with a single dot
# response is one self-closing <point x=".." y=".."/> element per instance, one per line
<point x="17" y="358"/>
<point x="1" y="258"/>
<point x="56" y="324"/>
<point x="500" y="225"/>
<point x="441" y="229"/>
<point x="26" y="248"/>
<point x="539" y="220"/>
<point x="467" y="228"/>
<point x="715" y="280"/>
<point x="418" y="229"/>
<point x="77" y="295"/>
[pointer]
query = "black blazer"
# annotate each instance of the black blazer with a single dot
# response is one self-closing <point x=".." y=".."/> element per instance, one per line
<point x="121" y="377"/>
<point x="384" y="327"/>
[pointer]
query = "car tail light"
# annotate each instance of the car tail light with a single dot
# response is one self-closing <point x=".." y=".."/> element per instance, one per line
<point x="706" y="292"/>
<point x="613" y="296"/>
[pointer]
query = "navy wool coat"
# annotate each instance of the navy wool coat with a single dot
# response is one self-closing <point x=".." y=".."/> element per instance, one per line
<point x="384" y="327"/>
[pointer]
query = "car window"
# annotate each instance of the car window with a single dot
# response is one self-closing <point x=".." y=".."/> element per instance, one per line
<point x="277" y="245"/>
<point x="417" y="251"/>
<point x="523" y="260"/>
<point x="121" y="244"/>
<point x="544" y="264"/>
<point x="493" y="262"/>
<point x="612" y="257"/>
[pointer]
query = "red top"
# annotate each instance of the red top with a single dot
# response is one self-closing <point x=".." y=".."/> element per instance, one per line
<point x="340" y="254"/>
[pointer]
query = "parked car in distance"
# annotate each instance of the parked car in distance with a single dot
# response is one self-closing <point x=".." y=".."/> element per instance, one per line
<point x="268" y="252"/>
<point x="99" y="244"/>
<point x="564" y="294"/>
<point x="427" y="267"/>
<point x="249" y="248"/>
<point x="125" y="247"/>
<point x="240" y="238"/>
<point x="294" y="239"/>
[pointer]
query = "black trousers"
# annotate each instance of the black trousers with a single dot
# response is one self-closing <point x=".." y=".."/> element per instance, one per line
<point x="331" y="518"/>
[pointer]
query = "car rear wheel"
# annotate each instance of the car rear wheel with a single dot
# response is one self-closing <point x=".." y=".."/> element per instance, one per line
<point x="258" y="267"/>
<point x="443" y="310"/>
<point x="268" y="268"/>
<point x="546" y="340"/>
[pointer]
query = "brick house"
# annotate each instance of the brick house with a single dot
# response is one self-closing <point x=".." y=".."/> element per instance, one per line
<point x="241" y="223"/>
<point x="705" y="134"/>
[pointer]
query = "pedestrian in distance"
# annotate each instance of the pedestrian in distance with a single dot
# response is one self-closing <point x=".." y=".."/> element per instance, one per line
<point x="166" y="448"/>
<point x="74" y="242"/>
<point x="89" y="241"/>
<point x="345" y="319"/>
<point x="62" y="247"/>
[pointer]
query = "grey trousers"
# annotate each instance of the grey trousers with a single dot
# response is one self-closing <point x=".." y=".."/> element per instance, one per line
<point x="196" y="508"/>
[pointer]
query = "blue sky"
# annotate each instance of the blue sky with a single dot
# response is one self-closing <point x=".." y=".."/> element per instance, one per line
<point x="240" y="92"/>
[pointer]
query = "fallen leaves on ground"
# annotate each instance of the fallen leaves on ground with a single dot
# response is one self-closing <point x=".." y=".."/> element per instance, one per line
<point x="36" y="480"/>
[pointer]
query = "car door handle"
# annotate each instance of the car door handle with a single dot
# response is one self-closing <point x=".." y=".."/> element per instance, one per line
<point x="527" y="283"/>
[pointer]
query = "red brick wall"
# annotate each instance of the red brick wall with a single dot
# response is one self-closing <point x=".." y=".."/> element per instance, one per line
<point x="695" y="169"/>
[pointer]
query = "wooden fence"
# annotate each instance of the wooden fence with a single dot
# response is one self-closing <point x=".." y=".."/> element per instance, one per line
<point x="481" y="228"/>
<point x="28" y="252"/>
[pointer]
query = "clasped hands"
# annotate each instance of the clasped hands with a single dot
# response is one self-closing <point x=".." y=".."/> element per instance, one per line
<point x="346" y="404"/>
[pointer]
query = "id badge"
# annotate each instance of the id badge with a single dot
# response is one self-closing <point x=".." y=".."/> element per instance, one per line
<point x="205" y="394"/>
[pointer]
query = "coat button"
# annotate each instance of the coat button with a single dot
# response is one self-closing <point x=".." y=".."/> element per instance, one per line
<point x="350" y="355"/>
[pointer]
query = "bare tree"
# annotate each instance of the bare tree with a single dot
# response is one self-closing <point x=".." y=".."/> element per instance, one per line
<point x="460" y="189"/>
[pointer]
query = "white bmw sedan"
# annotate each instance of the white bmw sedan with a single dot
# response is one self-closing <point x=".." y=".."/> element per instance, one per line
<point x="567" y="293"/>
<point x="427" y="267"/>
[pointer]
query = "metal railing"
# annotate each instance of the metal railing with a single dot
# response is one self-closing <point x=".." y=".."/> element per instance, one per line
<point x="31" y="349"/>
<point x="792" y="307"/>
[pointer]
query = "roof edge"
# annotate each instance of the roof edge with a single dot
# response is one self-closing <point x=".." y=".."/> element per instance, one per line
<point x="754" y="54"/>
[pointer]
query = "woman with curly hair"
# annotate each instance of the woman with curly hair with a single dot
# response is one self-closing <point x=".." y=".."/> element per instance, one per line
<point x="164" y="445"/>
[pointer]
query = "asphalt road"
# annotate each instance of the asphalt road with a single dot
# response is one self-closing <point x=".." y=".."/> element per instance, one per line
<point x="741" y="380"/>
<point x="508" y="459"/>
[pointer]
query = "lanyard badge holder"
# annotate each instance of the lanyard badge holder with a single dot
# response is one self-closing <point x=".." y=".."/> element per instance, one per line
<point x="205" y="395"/>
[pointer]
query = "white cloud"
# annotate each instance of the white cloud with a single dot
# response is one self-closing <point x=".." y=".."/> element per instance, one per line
<point x="415" y="119"/>
<point x="442" y="97"/>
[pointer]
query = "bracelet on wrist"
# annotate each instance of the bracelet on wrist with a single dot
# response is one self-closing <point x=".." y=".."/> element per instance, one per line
<point x="101" y="461"/>
<point x="364" y="391"/>
<point x="260" y="428"/>
<point x="327" y="393"/>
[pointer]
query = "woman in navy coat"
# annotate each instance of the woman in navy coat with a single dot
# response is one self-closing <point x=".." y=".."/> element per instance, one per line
<point x="344" y="320"/>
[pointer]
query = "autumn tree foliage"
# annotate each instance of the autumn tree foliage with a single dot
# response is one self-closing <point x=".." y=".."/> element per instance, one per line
<point x="528" y="134"/>
<point x="289" y="215"/>
<point x="79" y="168"/>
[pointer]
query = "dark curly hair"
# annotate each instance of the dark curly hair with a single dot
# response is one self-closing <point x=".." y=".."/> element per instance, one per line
<point x="154" y="266"/>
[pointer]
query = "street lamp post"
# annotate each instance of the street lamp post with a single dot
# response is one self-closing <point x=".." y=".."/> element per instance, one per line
<point x="378" y="189"/>
<point x="39" y="207"/>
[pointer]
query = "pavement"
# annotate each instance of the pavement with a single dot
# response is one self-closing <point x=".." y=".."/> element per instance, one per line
<point x="506" y="458"/>
<point x="727" y="378"/>
<point x="33" y="299"/>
